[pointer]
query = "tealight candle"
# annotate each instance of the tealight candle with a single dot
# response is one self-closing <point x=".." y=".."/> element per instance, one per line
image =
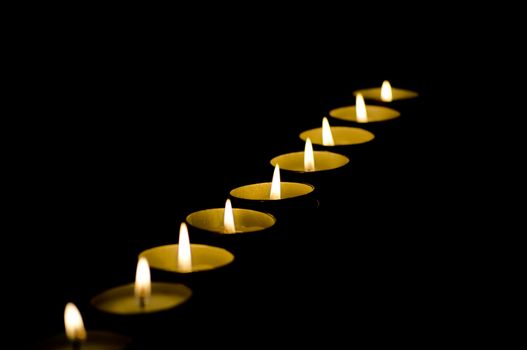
<point x="276" y="196"/>
<point x="230" y="221"/>
<point x="386" y="93"/>
<point x="362" y="113"/>
<point x="143" y="296"/>
<point x="185" y="257"/>
<point x="337" y="135"/>
<point x="76" y="337"/>
<point x="309" y="160"/>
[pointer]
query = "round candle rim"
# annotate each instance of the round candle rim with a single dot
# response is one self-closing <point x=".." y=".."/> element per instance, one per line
<point x="273" y="218"/>
<point x="312" y="187"/>
<point x="314" y="152"/>
<point x="338" y="127"/>
<point x="130" y="286"/>
<point x="62" y="339"/>
<point x="175" y="245"/>
<point x="415" y="93"/>
<point x="397" y="115"/>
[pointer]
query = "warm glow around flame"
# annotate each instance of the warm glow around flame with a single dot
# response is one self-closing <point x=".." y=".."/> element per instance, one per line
<point x="73" y="322"/>
<point x="327" y="136"/>
<point x="360" y="106"/>
<point x="275" y="185"/>
<point x="386" y="91"/>
<point x="228" y="218"/>
<point x="309" y="157"/>
<point x="184" y="257"/>
<point x="142" y="280"/>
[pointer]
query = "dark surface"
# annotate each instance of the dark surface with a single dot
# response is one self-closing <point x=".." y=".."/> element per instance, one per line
<point x="124" y="149"/>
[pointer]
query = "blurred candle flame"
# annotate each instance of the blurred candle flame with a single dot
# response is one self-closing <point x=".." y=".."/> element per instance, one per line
<point x="386" y="91"/>
<point x="309" y="157"/>
<point x="360" y="105"/>
<point x="75" y="330"/>
<point x="142" y="286"/>
<point x="276" y="185"/>
<point x="327" y="136"/>
<point x="228" y="218"/>
<point x="184" y="257"/>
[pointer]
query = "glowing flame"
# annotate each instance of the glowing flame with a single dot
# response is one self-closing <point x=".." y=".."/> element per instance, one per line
<point x="73" y="322"/>
<point x="327" y="136"/>
<point x="362" y="115"/>
<point x="184" y="255"/>
<point x="142" y="281"/>
<point x="309" y="157"/>
<point x="386" y="91"/>
<point x="275" y="185"/>
<point x="228" y="218"/>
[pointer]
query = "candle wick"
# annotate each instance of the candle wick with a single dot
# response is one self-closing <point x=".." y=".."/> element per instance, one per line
<point x="142" y="303"/>
<point x="76" y="344"/>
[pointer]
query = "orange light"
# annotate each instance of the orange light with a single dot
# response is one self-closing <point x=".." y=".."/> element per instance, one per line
<point x="386" y="91"/>
<point x="142" y="286"/>
<point x="309" y="157"/>
<point x="327" y="136"/>
<point x="276" y="185"/>
<point x="184" y="256"/>
<point x="75" y="330"/>
<point x="228" y="218"/>
<point x="360" y="105"/>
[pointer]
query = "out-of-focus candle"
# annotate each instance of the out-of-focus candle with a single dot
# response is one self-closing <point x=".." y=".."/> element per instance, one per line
<point x="185" y="257"/>
<point x="362" y="113"/>
<point x="230" y="220"/>
<point x="309" y="160"/>
<point x="386" y="93"/>
<point x="337" y="135"/>
<point x="142" y="296"/>
<point x="76" y="337"/>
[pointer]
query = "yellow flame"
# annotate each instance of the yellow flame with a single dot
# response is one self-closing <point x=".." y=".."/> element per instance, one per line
<point x="386" y="91"/>
<point x="228" y="218"/>
<point x="327" y="136"/>
<point x="276" y="185"/>
<point x="73" y="323"/>
<point x="184" y="256"/>
<point x="142" y="280"/>
<point x="309" y="157"/>
<point x="360" y="109"/>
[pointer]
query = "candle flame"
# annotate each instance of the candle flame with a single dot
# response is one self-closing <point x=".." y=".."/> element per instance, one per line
<point x="276" y="185"/>
<point x="142" y="280"/>
<point x="73" y="323"/>
<point x="327" y="136"/>
<point x="228" y="218"/>
<point x="184" y="256"/>
<point x="309" y="157"/>
<point x="386" y="91"/>
<point x="360" y="105"/>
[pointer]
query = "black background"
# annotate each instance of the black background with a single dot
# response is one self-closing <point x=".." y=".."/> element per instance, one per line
<point x="126" y="134"/>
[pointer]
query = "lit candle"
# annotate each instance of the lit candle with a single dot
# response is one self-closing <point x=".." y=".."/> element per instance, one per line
<point x="230" y="220"/>
<point x="336" y="135"/>
<point x="143" y="296"/>
<point x="309" y="160"/>
<point x="76" y="337"/>
<point x="386" y="93"/>
<point x="276" y="196"/>
<point x="362" y="113"/>
<point x="185" y="257"/>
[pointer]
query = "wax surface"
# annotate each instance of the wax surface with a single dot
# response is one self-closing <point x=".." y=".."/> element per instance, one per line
<point x="375" y="113"/>
<point x="204" y="257"/>
<point x="245" y="220"/>
<point x="397" y="94"/>
<point x="342" y="135"/>
<point x="261" y="191"/>
<point x="121" y="300"/>
<point x="323" y="161"/>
